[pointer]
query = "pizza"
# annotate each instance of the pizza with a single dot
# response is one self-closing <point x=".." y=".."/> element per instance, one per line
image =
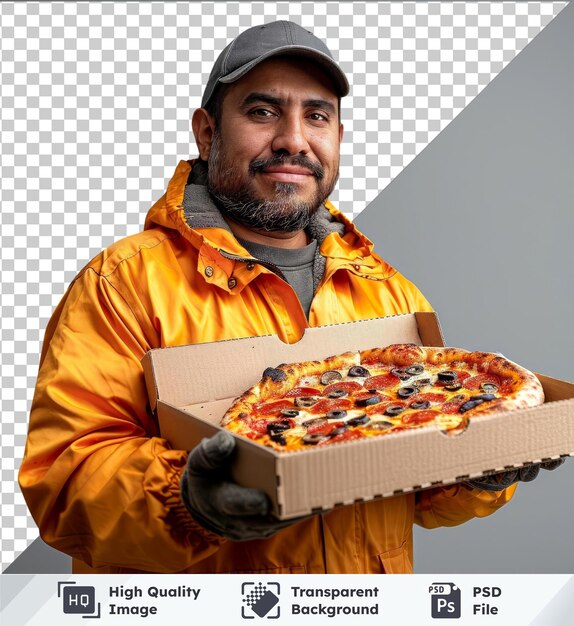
<point x="377" y="392"/>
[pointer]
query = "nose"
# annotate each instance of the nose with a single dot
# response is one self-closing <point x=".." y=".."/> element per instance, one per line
<point x="290" y="136"/>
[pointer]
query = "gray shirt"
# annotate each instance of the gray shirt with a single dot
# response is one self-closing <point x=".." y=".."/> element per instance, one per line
<point x="201" y="212"/>
<point x="295" y="264"/>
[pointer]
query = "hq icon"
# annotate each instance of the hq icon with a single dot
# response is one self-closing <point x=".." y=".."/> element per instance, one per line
<point x="445" y="601"/>
<point x="78" y="600"/>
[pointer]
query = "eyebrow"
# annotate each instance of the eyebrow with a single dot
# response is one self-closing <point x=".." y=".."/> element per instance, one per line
<point x="316" y="103"/>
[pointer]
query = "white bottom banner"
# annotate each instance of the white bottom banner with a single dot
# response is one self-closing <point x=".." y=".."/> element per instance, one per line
<point x="538" y="600"/>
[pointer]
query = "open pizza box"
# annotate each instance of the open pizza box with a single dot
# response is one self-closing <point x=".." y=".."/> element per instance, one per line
<point x="190" y="388"/>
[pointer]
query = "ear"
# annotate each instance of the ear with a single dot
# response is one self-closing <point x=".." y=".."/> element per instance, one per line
<point x="203" y="126"/>
<point x="341" y="133"/>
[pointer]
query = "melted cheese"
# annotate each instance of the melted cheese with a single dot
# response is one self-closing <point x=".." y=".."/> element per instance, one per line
<point x="448" y="422"/>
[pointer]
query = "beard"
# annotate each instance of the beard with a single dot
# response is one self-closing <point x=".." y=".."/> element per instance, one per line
<point x="285" y="212"/>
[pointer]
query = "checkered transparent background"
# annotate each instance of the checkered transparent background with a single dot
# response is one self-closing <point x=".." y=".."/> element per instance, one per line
<point x="96" y="103"/>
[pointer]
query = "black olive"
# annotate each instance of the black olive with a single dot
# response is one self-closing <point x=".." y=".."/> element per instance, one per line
<point x="485" y="397"/>
<point x="306" y="401"/>
<point x="424" y="404"/>
<point x="277" y="427"/>
<point x="422" y="382"/>
<point x="394" y="410"/>
<point x="475" y="401"/>
<point x="337" y="414"/>
<point x="369" y="401"/>
<point x="357" y="421"/>
<point x="337" y="393"/>
<point x="314" y="438"/>
<point x="447" y="376"/>
<point x="401" y="374"/>
<point x="338" y="431"/>
<point x="468" y="405"/>
<point x="407" y="392"/>
<point x="489" y="387"/>
<point x="453" y="386"/>
<point x="276" y="375"/>
<point x="380" y="425"/>
<point x="330" y="376"/>
<point x="317" y="421"/>
<point x="415" y="369"/>
<point x="359" y="371"/>
<point x="279" y="438"/>
<point x="289" y="412"/>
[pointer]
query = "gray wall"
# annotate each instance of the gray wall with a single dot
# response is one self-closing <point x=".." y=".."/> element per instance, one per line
<point x="483" y="222"/>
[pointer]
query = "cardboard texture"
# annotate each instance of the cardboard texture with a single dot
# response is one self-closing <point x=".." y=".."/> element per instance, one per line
<point x="191" y="387"/>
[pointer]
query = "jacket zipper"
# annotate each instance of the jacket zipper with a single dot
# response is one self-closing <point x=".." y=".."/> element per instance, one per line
<point x="273" y="268"/>
<point x="269" y="266"/>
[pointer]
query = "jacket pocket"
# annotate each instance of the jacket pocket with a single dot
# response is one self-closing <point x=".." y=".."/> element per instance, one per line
<point x="396" y="561"/>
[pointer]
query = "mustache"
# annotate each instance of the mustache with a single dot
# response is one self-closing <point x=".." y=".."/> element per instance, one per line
<point x="297" y="161"/>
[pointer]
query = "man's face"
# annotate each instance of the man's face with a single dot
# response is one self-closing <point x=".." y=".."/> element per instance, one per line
<point x="274" y="159"/>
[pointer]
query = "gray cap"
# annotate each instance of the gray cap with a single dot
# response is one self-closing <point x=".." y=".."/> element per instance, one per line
<point x="261" y="42"/>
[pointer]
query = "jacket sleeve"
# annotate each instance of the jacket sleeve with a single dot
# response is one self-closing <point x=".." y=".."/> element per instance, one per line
<point x="100" y="483"/>
<point x="456" y="504"/>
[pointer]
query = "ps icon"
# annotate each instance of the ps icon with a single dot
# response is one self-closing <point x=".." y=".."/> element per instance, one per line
<point x="445" y="601"/>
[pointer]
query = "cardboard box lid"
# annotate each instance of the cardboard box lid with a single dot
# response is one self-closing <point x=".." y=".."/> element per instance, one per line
<point x="192" y="386"/>
<point x="225" y="369"/>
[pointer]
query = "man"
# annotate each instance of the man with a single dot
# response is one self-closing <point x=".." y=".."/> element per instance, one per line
<point x="244" y="242"/>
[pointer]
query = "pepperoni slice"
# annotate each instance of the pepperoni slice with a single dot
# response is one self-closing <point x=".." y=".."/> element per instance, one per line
<point x="348" y="386"/>
<point x="461" y="375"/>
<point x="379" y="409"/>
<point x="325" y="428"/>
<point x="297" y="392"/>
<point x="473" y="383"/>
<point x="256" y="427"/>
<point x="507" y="387"/>
<point x="326" y="405"/>
<point x="419" y="417"/>
<point x="382" y="381"/>
<point x="272" y="408"/>
<point x="428" y="397"/>
<point x="253" y="435"/>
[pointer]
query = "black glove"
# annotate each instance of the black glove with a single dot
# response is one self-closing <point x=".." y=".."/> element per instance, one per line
<point x="220" y="505"/>
<point x="502" y="480"/>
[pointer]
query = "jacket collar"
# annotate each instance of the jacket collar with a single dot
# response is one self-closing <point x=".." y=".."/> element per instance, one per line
<point x="188" y="208"/>
<point x="201" y="212"/>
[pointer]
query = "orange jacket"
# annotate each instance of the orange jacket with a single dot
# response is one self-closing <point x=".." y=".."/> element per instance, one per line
<point x="101" y="483"/>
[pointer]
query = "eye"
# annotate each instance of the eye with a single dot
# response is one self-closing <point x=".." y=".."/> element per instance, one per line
<point x="261" y="113"/>
<point x="318" y="117"/>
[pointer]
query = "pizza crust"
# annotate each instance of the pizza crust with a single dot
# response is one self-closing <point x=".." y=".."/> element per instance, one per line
<point x="271" y="412"/>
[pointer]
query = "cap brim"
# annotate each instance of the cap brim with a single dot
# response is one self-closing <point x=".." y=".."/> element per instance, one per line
<point x="325" y="61"/>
